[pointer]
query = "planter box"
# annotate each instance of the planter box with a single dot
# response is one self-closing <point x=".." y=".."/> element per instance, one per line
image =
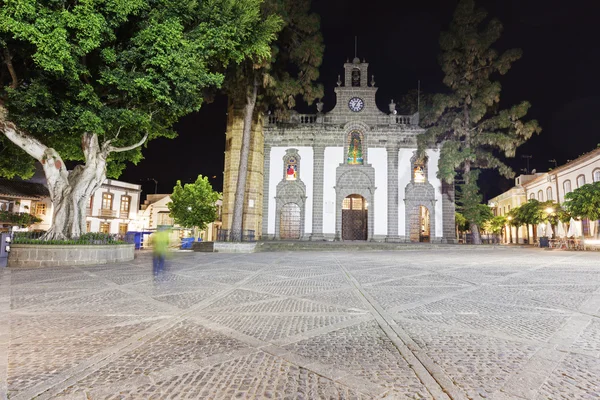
<point x="33" y="255"/>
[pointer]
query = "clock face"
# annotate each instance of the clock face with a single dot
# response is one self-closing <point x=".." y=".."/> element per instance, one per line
<point x="356" y="104"/>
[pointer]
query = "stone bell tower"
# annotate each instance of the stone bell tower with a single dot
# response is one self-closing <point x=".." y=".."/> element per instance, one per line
<point x="253" y="197"/>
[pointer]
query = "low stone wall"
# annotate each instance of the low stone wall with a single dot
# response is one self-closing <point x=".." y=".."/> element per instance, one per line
<point x="31" y="255"/>
<point x="204" y="247"/>
<point x="231" y="247"/>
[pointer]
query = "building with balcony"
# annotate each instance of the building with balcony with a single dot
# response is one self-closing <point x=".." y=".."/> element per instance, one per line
<point x="112" y="209"/>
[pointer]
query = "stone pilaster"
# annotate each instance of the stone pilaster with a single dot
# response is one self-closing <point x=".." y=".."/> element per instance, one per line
<point x="266" y="178"/>
<point x="317" y="216"/>
<point x="448" y="210"/>
<point x="392" y="192"/>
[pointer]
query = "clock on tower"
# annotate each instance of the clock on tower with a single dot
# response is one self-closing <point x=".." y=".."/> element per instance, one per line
<point x="356" y="104"/>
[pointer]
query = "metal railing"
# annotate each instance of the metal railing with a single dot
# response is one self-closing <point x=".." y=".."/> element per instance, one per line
<point x="224" y="235"/>
<point x="106" y="213"/>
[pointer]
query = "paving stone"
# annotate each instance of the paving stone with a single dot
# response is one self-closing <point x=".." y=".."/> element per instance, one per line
<point x="471" y="321"/>
<point x="268" y="328"/>
<point x="366" y="352"/>
<point x="478" y="364"/>
<point x="577" y="377"/>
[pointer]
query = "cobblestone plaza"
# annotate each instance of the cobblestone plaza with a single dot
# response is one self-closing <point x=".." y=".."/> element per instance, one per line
<point x="435" y="324"/>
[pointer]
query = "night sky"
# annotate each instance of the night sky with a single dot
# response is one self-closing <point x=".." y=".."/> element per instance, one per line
<point x="559" y="74"/>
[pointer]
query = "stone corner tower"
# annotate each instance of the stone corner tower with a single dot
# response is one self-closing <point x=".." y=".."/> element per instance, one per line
<point x="253" y="198"/>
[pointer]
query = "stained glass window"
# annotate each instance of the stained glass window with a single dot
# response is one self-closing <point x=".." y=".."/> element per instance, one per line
<point x="291" y="169"/>
<point x="355" y="155"/>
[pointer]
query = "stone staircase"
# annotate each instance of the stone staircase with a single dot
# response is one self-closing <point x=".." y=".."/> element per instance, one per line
<point x="351" y="246"/>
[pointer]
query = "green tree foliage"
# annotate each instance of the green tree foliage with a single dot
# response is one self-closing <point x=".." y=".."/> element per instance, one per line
<point x="91" y="81"/>
<point x="290" y="72"/>
<point x="531" y="213"/>
<point x="194" y="204"/>
<point x="462" y="225"/>
<point x="20" y="219"/>
<point x="495" y="224"/>
<point x="474" y="133"/>
<point x="584" y="202"/>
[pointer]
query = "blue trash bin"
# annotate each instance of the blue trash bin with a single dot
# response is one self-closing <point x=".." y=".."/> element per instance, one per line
<point x="186" y="243"/>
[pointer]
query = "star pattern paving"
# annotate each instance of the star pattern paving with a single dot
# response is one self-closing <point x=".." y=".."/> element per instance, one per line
<point x="450" y="323"/>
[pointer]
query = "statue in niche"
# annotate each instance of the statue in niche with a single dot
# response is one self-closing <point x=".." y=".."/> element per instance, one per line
<point x="419" y="173"/>
<point x="355" y="156"/>
<point x="355" y="77"/>
<point x="291" y="171"/>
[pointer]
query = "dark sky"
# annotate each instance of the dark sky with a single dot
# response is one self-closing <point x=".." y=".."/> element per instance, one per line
<point x="559" y="74"/>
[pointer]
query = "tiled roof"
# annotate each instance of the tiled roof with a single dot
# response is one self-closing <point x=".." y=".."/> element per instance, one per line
<point x="22" y="189"/>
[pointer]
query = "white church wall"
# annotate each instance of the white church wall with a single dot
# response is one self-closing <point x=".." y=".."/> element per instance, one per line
<point x="276" y="175"/>
<point x="432" y="167"/>
<point x="404" y="174"/>
<point x="306" y="175"/>
<point x="333" y="157"/>
<point x="378" y="160"/>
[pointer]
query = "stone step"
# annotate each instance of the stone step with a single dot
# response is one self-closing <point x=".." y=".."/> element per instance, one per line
<point x="345" y="246"/>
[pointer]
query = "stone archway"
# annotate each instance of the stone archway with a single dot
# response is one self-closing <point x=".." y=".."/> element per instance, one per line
<point x="355" y="218"/>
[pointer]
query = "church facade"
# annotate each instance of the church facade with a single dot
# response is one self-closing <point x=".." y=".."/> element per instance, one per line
<point x="349" y="174"/>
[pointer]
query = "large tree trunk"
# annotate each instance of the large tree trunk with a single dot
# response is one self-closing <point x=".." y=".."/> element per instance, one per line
<point x="70" y="191"/>
<point x="474" y="228"/>
<point x="240" y="189"/>
<point x="475" y="233"/>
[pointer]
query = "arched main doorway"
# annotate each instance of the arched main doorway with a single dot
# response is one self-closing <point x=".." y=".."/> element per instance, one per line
<point x="354" y="218"/>
<point x="420" y="225"/>
<point x="289" y="225"/>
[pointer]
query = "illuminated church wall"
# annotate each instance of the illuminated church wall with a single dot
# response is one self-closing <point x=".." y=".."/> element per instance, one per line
<point x="352" y="173"/>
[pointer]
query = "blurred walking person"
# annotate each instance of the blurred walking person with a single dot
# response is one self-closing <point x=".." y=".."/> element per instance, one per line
<point x="160" y="245"/>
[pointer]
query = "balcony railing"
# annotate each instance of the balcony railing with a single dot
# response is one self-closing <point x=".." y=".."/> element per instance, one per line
<point x="88" y="211"/>
<point x="293" y="119"/>
<point x="307" y="119"/>
<point x="124" y="214"/>
<point x="106" y="213"/>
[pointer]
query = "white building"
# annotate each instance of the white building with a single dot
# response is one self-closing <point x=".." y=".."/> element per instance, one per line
<point x="112" y="209"/>
<point x="552" y="185"/>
